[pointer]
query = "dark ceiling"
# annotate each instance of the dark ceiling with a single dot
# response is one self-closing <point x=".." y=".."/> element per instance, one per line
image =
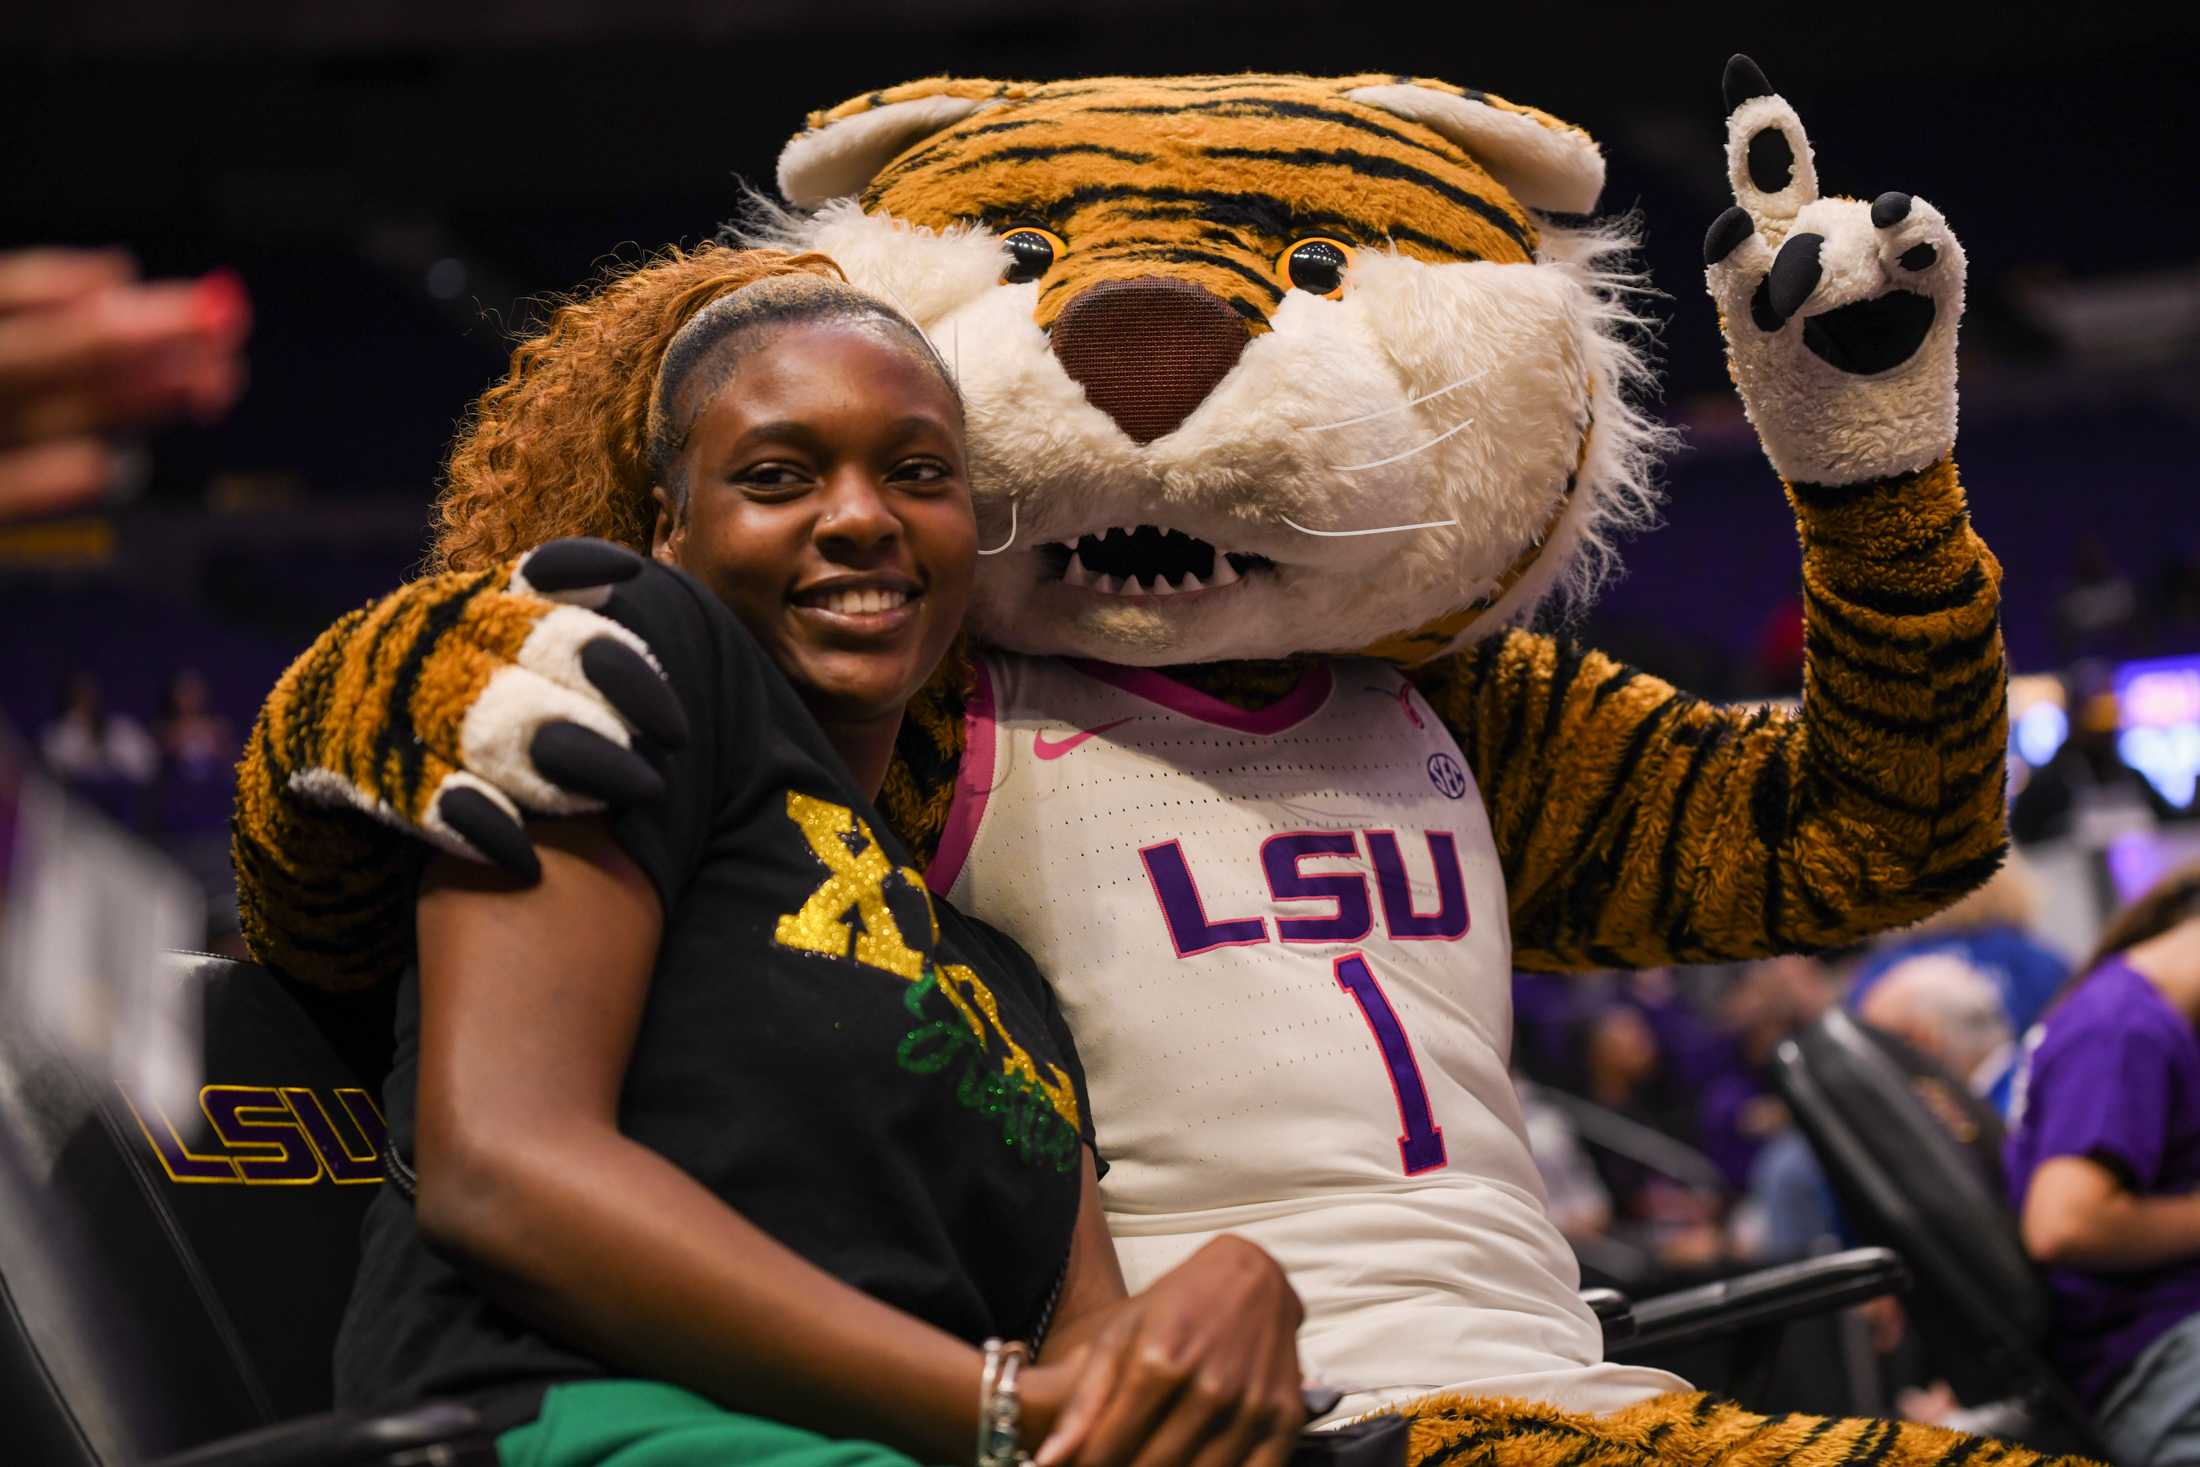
<point x="336" y="154"/>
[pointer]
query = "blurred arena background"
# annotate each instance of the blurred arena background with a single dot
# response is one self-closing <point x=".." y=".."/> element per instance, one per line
<point x="400" y="183"/>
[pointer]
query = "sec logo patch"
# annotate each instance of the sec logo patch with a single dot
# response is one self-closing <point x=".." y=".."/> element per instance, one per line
<point x="1450" y="780"/>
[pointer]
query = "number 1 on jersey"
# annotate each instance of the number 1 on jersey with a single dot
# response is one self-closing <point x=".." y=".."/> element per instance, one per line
<point x="1421" y="1146"/>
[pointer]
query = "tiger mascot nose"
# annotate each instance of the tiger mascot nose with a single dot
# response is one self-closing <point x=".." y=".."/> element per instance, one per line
<point x="1147" y="351"/>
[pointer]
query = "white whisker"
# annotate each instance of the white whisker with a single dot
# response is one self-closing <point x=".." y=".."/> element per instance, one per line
<point x="1378" y="530"/>
<point x="1421" y="448"/>
<point x="1401" y="407"/>
<point x="996" y="550"/>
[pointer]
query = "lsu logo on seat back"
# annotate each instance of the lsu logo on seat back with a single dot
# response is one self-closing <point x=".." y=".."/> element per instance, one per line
<point x="270" y="1136"/>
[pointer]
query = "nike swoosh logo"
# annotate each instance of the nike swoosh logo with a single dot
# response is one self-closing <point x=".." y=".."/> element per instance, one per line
<point x="1047" y="748"/>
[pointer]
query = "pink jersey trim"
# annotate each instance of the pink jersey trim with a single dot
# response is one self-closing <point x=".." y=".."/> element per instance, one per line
<point x="972" y="786"/>
<point x="1294" y="707"/>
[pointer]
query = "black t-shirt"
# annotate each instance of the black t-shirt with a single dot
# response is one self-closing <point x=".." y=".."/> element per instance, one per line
<point x="881" y="1083"/>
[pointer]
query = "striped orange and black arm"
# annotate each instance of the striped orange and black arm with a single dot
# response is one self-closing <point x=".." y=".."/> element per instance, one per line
<point x="414" y="723"/>
<point x="338" y="791"/>
<point x="323" y="893"/>
<point x="1639" y="825"/>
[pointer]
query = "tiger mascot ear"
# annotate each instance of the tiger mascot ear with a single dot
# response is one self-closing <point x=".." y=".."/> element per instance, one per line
<point x="1546" y="164"/>
<point x="1543" y="162"/>
<point x="843" y="148"/>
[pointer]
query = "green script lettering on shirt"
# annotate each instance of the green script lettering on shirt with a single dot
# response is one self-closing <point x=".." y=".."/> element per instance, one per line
<point x="1031" y="1122"/>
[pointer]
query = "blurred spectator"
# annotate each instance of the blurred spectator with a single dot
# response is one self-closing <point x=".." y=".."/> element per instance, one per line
<point x="1951" y="1012"/>
<point x="1787" y="1207"/>
<point x="1943" y="1007"/>
<point x="1694" y="1052"/>
<point x="1788" y="1211"/>
<point x="2104" y="1170"/>
<point x="1738" y="1113"/>
<point x="2087" y="791"/>
<point x="87" y="743"/>
<point x="194" y="740"/>
<point x="198" y="781"/>
<point x="1992" y="930"/>
<point x="1619" y="1062"/>
<point x="1632" y="1042"/>
<point x="87" y="349"/>
<point x="1621" y="1068"/>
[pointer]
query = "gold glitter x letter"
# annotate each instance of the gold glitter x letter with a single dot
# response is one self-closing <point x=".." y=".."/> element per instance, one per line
<point x="857" y="873"/>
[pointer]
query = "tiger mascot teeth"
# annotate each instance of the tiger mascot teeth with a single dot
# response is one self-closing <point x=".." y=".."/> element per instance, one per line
<point x="1289" y="399"/>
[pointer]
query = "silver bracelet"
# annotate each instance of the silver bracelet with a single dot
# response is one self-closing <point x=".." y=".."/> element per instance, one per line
<point x="1000" y="1409"/>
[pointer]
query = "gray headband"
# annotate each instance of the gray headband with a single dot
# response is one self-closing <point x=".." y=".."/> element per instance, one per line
<point x="776" y="301"/>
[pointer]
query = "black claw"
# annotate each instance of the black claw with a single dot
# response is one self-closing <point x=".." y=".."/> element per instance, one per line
<point x="1726" y="235"/>
<point x="584" y="762"/>
<point x="633" y="687"/>
<point x="1795" y="274"/>
<point x="1760" y="307"/>
<point x="1744" y="81"/>
<point x="1919" y="257"/>
<point x="1888" y="210"/>
<point x="490" y="831"/>
<point x="571" y="564"/>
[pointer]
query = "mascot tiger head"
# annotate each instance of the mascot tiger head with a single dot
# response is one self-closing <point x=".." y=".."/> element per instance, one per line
<point x="1255" y="365"/>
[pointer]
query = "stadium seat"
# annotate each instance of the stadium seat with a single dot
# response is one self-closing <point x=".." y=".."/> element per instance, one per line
<point x="172" y="1282"/>
<point x="1723" y="1335"/>
<point x="1914" y="1159"/>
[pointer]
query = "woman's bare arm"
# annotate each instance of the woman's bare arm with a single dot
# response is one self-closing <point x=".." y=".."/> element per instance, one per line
<point x="2077" y="1214"/>
<point x="530" y="1001"/>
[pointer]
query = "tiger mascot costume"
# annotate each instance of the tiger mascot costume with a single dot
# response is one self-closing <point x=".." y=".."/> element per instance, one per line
<point x="1288" y="400"/>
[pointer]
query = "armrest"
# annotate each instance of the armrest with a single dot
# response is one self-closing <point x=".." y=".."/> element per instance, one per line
<point x="1615" y="1311"/>
<point x="1767" y="1296"/>
<point x="446" y="1433"/>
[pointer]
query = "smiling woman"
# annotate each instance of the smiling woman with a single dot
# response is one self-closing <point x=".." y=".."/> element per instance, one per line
<point x="809" y="463"/>
<point x="726" y="1112"/>
<point x="810" y="471"/>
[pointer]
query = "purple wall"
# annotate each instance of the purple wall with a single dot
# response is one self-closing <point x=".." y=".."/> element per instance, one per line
<point x="1727" y="557"/>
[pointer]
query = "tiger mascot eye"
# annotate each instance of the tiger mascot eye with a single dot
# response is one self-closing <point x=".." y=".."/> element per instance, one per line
<point x="1288" y="400"/>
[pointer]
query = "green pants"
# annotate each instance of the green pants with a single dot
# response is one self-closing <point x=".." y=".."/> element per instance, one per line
<point x="646" y="1423"/>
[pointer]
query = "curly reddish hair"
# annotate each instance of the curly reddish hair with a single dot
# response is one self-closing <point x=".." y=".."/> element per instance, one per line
<point x="561" y="445"/>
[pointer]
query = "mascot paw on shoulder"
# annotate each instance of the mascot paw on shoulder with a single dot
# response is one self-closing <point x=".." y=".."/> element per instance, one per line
<point x="1289" y="399"/>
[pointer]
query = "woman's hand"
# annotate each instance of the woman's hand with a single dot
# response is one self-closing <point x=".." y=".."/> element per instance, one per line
<point x="1202" y="1368"/>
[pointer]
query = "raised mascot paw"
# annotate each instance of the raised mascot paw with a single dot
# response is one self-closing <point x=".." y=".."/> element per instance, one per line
<point x="502" y="692"/>
<point x="1840" y="316"/>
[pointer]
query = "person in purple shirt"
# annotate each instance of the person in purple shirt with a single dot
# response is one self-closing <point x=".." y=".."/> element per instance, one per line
<point x="2103" y="1160"/>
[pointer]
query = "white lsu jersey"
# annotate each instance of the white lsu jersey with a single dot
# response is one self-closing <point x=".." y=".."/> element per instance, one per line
<point x="1280" y="940"/>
